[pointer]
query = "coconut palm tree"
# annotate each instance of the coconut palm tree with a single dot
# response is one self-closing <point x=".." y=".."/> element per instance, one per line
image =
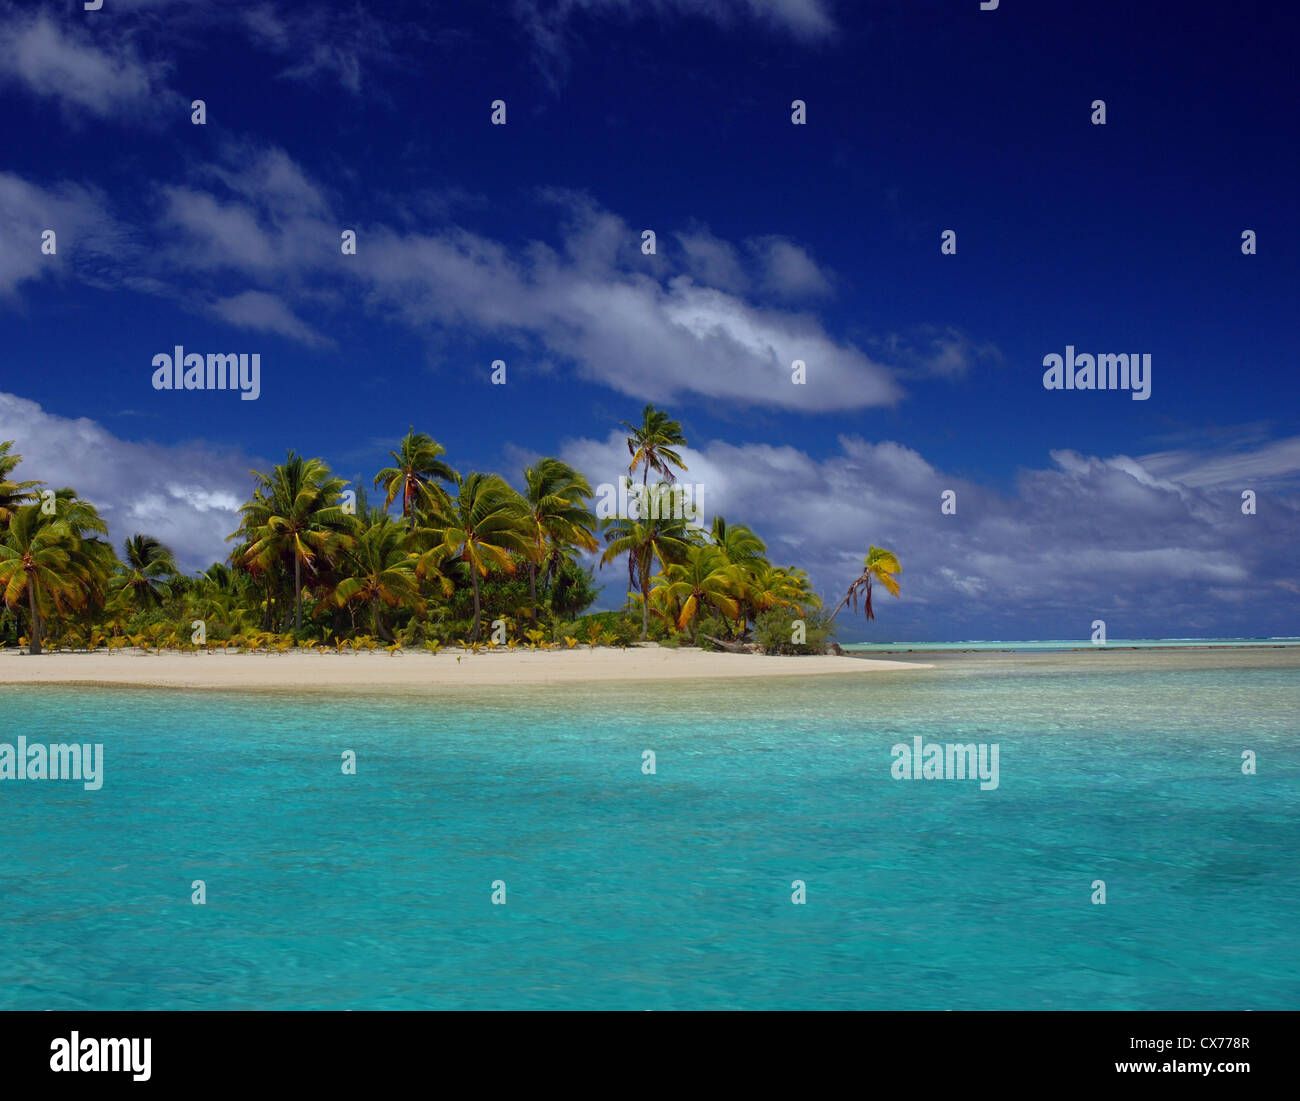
<point x="558" y="517"/>
<point x="658" y="536"/>
<point x="739" y="543"/>
<point x="36" y="564"/>
<point x="381" y="571"/>
<point x="780" y="587"/>
<point x="417" y="465"/>
<point x="481" y="526"/>
<point x="704" y="579"/>
<point x="653" y="443"/>
<point x="294" y="515"/>
<point x="149" y="567"/>
<point x="13" y="494"/>
<point x="91" y="559"/>
<point x="879" y="565"/>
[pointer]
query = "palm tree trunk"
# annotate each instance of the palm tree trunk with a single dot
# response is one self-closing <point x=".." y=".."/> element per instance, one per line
<point x="297" y="593"/>
<point x="645" y="606"/>
<point x="532" y="581"/>
<point x="473" y="576"/>
<point x="380" y="630"/>
<point x="34" y="646"/>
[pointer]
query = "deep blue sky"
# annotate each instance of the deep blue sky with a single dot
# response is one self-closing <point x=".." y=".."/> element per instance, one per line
<point x="522" y="243"/>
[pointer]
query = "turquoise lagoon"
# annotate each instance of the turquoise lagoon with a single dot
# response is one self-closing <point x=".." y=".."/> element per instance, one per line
<point x="671" y="891"/>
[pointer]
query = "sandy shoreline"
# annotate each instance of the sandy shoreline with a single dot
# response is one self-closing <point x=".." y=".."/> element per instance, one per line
<point x="327" y="671"/>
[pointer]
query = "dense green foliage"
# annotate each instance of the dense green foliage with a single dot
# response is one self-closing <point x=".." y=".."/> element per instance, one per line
<point x="467" y="560"/>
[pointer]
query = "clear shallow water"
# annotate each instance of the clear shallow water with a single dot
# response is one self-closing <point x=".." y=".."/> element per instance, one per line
<point x="670" y="891"/>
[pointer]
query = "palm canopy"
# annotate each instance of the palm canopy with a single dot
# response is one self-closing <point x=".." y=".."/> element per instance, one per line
<point x="148" y="567"/>
<point x="704" y="579"/>
<point x="878" y="565"/>
<point x="558" y="517"/>
<point x="653" y="444"/>
<point x="780" y="587"/>
<point x="738" y="543"/>
<point x="37" y="563"/>
<point x="481" y="526"/>
<point x="13" y="494"/>
<point x="381" y="571"/>
<point x="665" y="539"/>
<point x="294" y="515"/>
<point x="417" y="468"/>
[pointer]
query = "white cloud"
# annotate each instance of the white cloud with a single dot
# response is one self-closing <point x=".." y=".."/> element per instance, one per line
<point x="788" y="270"/>
<point x="81" y="75"/>
<point x="266" y="313"/>
<point x="85" y="231"/>
<point x="187" y="495"/>
<point x="1083" y="539"/>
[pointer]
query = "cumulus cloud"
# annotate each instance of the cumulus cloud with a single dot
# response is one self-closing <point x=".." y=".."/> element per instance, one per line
<point x="187" y="495"/>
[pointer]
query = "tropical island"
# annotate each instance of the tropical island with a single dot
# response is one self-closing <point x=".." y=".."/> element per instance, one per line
<point x="438" y="561"/>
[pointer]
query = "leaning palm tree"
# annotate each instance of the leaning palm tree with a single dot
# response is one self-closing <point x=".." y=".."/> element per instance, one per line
<point x="417" y="465"/>
<point x="36" y="564"/>
<point x="558" y="517"/>
<point x="148" y="570"/>
<point x="381" y="571"/>
<point x="481" y="526"/>
<point x="294" y="515"/>
<point x="13" y="494"/>
<point x="879" y="565"/>
<point x="657" y="537"/>
<point x="653" y="443"/>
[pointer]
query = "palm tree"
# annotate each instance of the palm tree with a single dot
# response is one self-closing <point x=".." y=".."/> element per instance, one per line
<point x="645" y="540"/>
<point x="653" y="443"/>
<point x="416" y="463"/>
<point x="481" y="526"/>
<point x="742" y="548"/>
<point x="91" y="559"/>
<point x="739" y="543"/>
<point x="558" y="518"/>
<point x="149" y="566"/>
<point x="294" y="514"/>
<point x="382" y="571"/>
<point x="12" y="494"/>
<point x="36" y="562"/>
<point x="879" y="565"/>
<point x="780" y="587"/>
<point x="705" y="579"/>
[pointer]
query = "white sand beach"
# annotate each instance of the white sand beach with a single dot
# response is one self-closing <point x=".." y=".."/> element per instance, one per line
<point x="417" y="669"/>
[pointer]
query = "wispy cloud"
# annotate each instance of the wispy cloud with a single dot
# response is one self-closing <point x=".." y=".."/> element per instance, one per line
<point x="84" y="76"/>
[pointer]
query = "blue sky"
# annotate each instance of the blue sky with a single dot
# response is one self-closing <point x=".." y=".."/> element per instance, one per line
<point x="774" y="242"/>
